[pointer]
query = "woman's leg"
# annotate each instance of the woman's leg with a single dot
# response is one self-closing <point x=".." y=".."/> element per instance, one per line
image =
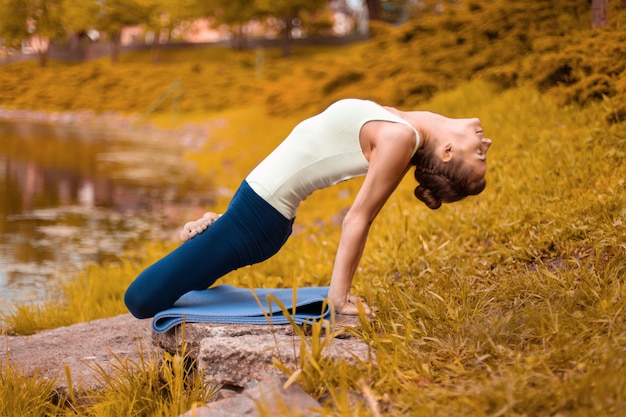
<point x="249" y="232"/>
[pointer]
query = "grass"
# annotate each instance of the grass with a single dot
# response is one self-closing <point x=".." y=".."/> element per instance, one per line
<point x="25" y="395"/>
<point x="165" y="386"/>
<point x="509" y="303"/>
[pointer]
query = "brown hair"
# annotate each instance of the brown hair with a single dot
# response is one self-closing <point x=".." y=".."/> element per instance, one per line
<point x="442" y="182"/>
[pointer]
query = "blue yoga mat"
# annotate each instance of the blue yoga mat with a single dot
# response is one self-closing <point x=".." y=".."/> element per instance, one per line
<point x="231" y="305"/>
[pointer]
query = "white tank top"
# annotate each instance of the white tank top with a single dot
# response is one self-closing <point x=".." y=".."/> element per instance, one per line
<point x="319" y="152"/>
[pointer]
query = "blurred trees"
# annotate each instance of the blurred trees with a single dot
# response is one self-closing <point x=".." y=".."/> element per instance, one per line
<point x="79" y="19"/>
<point x="45" y="21"/>
<point x="115" y="14"/>
<point x="288" y="11"/>
<point x="234" y="13"/>
<point x="507" y="42"/>
<point x="164" y="16"/>
<point x="373" y="9"/>
<point x="39" y="20"/>
<point x="401" y="11"/>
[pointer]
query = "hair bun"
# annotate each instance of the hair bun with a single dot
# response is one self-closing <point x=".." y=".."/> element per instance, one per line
<point x="426" y="196"/>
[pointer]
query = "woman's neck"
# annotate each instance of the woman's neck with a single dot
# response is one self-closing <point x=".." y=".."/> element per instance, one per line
<point x="428" y="124"/>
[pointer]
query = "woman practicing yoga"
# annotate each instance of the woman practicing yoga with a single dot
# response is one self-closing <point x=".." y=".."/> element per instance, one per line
<point x="350" y="138"/>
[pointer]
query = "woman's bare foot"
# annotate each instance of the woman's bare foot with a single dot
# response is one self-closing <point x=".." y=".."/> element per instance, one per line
<point x="193" y="228"/>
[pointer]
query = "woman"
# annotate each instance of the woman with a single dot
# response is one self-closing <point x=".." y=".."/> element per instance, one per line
<point x="350" y="138"/>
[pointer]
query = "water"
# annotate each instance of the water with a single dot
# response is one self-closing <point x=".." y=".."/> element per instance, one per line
<point x="71" y="196"/>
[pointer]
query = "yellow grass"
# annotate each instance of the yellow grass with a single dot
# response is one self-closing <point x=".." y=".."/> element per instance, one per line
<point x="510" y="303"/>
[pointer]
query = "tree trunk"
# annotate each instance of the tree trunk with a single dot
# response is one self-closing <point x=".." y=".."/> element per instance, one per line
<point x="599" y="12"/>
<point x="287" y="36"/>
<point x="156" y="50"/>
<point x="43" y="58"/>
<point x="373" y="8"/>
<point x="41" y="46"/>
<point x="116" y="39"/>
<point x="239" y="38"/>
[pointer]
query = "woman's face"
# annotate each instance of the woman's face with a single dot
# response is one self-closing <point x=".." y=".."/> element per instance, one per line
<point x="469" y="143"/>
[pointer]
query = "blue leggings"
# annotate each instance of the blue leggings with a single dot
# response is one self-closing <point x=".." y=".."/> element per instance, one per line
<point x="250" y="231"/>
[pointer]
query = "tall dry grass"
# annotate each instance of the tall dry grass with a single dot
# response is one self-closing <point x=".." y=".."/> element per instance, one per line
<point x="508" y="303"/>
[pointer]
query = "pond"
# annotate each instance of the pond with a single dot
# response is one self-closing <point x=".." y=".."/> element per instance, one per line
<point x="71" y="195"/>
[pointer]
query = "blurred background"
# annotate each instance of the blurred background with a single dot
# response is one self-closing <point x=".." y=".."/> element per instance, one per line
<point x="86" y="173"/>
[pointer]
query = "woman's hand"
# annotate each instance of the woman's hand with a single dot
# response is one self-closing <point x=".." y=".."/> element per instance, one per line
<point x="193" y="228"/>
<point x="349" y="306"/>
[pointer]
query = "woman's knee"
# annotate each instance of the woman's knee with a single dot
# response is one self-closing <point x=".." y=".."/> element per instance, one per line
<point x="138" y="304"/>
<point x="144" y="299"/>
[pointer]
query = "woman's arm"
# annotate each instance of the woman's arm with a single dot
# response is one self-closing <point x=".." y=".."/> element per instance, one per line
<point x="392" y="145"/>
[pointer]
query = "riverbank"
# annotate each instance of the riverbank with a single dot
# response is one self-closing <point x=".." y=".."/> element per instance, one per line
<point x="81" y="188"/>
<point x="190" y="135"/>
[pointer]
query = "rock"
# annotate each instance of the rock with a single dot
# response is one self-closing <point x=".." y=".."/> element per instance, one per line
<point x="270" y="396"/>
<point x="240" y="355"/>
<point x="237" y="356"/>
<point x="81" y="347"/>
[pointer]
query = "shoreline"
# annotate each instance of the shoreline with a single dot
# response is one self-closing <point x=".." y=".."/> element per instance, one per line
<point x="178" y="139"/>
<point x="190" y="135"/>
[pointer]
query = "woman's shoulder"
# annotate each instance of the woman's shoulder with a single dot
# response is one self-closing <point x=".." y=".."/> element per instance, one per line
<point x="352" y="101"/>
